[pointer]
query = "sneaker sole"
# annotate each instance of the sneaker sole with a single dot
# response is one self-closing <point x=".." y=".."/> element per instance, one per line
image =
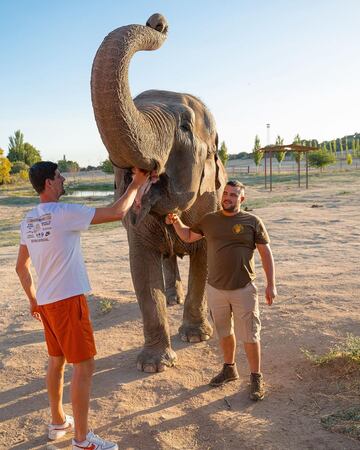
<point x="57" y="434"/>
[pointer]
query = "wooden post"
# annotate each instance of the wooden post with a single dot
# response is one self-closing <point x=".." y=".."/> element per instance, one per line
<point x="307" y="170"/>
<point x="265" y="169"/>
<point x="298" y="169"/>
<point x="270" y="155"/>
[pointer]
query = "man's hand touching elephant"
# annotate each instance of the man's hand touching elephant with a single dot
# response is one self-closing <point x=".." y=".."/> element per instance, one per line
<point x="140" y="176"/>
<point x="151" y="178"/>
<point x="171" y="218"/>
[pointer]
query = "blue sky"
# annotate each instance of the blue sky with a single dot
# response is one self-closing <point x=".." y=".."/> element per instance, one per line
<point x="292" y="64"/>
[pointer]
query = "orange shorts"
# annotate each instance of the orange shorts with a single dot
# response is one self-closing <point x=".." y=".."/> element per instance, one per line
<point x="68" y="330"/>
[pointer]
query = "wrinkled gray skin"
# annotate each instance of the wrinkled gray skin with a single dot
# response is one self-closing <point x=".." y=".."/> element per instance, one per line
<point x="174" y="292"/>
<point x="175" y="135"/>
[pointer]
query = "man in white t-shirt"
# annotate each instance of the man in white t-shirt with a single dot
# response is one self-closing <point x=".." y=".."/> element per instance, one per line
<point x="50" y="239"/>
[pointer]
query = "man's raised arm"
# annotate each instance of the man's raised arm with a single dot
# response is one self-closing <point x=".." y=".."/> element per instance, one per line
<point x="118" y="209"/>
<point x="182" y="230"/>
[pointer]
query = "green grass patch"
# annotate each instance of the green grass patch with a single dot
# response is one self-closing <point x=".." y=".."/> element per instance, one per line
<point x="345" y="422"/>
<point x="270" y="200"/>
<point x="95" y="186"/>
<point x="18" y="201"/>
<point x="348" y="350"/>
<point x="105" y="305"/>
<point x="9" y="238"/>
<point x="9" y="232"/>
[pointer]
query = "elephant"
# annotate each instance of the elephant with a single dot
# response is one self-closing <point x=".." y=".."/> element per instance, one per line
<point x="174" y="291"/>
<point x="173" y="136"/>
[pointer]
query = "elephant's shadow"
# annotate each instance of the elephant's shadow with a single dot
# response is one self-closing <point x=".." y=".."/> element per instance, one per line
<point x="107" y="312"/>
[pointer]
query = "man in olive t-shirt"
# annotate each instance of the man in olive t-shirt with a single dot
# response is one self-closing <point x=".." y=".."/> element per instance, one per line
<point x="232" y="236"/>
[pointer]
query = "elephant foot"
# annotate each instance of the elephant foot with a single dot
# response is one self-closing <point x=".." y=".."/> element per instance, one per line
<point x="151" y="361"/>
<point x="195" y="332"/>
<point x="174" y="297"/>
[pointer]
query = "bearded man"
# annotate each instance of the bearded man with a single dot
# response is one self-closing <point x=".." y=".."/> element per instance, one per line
<point x="232" y="236"/>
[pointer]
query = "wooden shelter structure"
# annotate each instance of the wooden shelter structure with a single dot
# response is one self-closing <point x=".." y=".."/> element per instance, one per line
<point x="291" y="148"/>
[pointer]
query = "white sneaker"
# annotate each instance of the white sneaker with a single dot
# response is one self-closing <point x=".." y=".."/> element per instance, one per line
<point x="94" y="442"/>
<point x="58" y="431"/>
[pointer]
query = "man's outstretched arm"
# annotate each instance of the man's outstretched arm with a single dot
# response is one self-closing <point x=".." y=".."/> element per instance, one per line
<point x="182" y="230"/>
<point x="118" y="210"/>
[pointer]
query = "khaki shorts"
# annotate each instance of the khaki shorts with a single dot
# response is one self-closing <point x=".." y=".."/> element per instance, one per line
<point x="235" y="309"/>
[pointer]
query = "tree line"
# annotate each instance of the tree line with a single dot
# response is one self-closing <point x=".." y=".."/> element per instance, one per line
<point x="347" y="147"/>
<point x="22" y="155"/>
<point x="326" y="153"/>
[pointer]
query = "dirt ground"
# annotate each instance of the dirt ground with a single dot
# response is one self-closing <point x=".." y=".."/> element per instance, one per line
<point x="317" y="257"/>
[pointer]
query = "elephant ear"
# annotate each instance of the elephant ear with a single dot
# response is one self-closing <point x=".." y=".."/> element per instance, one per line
<point x="213" y="176"/>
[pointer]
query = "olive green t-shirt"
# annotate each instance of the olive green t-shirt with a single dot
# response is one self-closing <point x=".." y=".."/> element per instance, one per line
<point x="230" y="247"/>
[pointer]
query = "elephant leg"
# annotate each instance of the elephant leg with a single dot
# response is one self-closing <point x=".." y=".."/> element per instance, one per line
<point x="195" y="326"/>
<point x="173" y="285"/>
<point x="146" y="271"/>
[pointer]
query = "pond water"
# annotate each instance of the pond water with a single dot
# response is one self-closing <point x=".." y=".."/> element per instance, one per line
<point x="89" y="193"/>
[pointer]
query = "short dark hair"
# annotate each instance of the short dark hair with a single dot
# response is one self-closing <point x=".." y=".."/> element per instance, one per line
<point x="235" y="183"/>
<point x="40" y="172"/>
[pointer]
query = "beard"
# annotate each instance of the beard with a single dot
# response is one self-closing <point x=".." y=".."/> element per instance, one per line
<point x="228" y="207"/>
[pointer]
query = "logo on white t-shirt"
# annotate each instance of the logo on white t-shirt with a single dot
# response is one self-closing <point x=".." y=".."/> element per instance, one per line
<point x="38" y="229"/>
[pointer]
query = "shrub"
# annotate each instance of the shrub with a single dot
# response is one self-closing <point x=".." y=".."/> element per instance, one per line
<point x="18" y="166"/>
<point x="321" y="158"/>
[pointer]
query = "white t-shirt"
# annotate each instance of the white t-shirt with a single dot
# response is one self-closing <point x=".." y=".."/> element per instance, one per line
<point x="51" y="232"/>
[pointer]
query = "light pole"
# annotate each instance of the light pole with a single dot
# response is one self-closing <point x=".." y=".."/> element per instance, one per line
<point x="267" y="134"/>
<point x="270" y="154"/>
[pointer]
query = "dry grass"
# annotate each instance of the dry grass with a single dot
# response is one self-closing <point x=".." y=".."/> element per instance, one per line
<point x="347" y="351"/>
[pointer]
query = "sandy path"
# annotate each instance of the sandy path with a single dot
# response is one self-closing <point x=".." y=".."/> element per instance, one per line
<point x="316" y="251"/>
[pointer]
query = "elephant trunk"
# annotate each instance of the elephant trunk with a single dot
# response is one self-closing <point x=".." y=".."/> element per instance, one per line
<point x="131" y="137"/>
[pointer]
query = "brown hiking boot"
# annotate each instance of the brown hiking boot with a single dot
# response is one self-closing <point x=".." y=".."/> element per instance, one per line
<point x="228" y="373"/>
<point x="257" y="386"/>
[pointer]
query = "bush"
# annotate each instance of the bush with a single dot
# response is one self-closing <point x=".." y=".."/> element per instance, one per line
<point x="321" y="158"/>
<point x="24" y="175"/>
<point x="107" y="167"/>
<point x="68" y="166"/>
<point x="5" y="168"/>
<point x="18" y="166"/>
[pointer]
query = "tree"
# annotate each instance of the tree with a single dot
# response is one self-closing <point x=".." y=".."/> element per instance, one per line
<point x="5" y="168"/>
<point x="334" y="145"/>
<point x="258" y="156"/>
<point x="321" y="159"/>
<point x="68" y="166"/>
<point x="297" y="156"/>
<point x="22" y="151"/>
<point x="107" y="167"/>
<point x="279" y="155"/>
<point x="16" y="147"/>
<point x="31" y="154"/>
<point x="223" y="153"/>
<point x="341" y="147"/>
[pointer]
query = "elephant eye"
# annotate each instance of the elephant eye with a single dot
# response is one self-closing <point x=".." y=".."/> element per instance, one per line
<point x="185" y="126"/>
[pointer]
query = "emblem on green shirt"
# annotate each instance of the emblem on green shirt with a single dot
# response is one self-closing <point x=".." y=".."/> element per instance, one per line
<point x="238" y="228"/>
